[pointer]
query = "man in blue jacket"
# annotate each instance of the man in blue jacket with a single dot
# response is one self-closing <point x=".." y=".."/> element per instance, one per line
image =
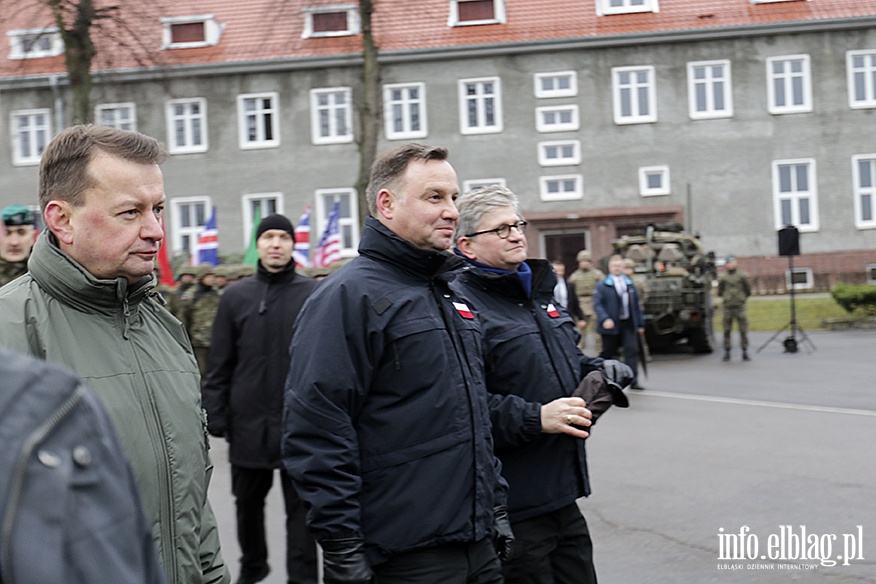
<point x="387" y="429"/>
<point x="533" y="366"/>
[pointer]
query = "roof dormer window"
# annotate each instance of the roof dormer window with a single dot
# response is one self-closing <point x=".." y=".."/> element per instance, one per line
<point x="34" y="43"/>
<point x="605" y="7"/>
<point x="187" y="32"/>
<point x="469" y="12"/>
<point x="329" y="21"/>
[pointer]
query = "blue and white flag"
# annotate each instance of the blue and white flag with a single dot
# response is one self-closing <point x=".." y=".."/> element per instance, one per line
<point x="208" y="242"/>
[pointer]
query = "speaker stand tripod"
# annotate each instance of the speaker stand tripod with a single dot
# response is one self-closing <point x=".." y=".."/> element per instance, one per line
<point x="790" y="342"/>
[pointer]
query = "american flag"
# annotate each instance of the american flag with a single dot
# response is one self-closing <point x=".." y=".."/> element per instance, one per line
<point x="301" y="251"/>
<point x="329" y="249"/>
<point x="207" y="248"/>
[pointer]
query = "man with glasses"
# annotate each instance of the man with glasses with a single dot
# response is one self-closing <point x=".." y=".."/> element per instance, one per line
<point x="533" y="365"/>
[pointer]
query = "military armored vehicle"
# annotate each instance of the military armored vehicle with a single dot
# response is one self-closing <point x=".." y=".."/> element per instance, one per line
<point x="674" y="276"/>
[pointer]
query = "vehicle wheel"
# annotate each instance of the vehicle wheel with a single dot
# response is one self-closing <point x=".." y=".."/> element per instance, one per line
<point x="701" y="339"/>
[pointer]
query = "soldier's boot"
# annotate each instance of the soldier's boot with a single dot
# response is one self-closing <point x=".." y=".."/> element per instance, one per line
<point x="726" y="355"/>
<point x="745" y="356"/>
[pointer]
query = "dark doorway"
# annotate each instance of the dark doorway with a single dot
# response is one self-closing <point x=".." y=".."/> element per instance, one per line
<point x="565" y="246"/>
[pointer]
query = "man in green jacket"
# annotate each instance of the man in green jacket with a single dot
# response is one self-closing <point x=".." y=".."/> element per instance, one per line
<point x="88" y="302"/>
<point x="734" y="288"/>
<point x="19" y="224"/>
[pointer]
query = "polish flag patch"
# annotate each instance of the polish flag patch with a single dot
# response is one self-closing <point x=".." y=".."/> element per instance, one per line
<point x="463" y="310"/>
<point x="552" y="311"/>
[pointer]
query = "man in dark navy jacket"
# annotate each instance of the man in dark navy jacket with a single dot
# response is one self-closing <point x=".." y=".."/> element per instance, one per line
<point x="387" y="429"/>
<point x="533" y="365"/>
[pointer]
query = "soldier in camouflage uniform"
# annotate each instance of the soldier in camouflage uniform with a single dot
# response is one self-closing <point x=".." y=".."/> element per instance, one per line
<point x="185" y="281"/>
<point x="584" y="280"/>
<point x="15" y="248"/>
<point x="199" y="312"/>
<point x="734" y="288"/>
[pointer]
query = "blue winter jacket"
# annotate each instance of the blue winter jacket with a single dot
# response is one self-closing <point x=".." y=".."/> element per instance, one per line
<point x="607" y="304"/>
<point x="532" y="358"/>
<point x="387" y="429"/>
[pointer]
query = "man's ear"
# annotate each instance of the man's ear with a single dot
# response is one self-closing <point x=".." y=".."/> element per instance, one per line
<point x="59" y="220"/>
<point x="464" y="245"/>
<point x="386" y="203"/>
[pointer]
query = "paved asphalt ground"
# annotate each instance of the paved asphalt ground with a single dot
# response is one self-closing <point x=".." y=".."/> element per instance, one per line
<point x="765" y="453"/>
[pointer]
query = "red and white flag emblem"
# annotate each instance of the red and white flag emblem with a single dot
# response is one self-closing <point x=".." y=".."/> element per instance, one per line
<point x="463" y="310"/>
<point x="552" y="311"/>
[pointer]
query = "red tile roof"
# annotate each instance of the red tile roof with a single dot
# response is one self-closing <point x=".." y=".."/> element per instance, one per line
<point x="263" y="30"/>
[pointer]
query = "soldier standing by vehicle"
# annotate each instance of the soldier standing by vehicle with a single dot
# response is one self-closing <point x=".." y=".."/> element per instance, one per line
<point x="734" y="288"/>
<point x="584" y="281"/>
<point x="19" y="224"/>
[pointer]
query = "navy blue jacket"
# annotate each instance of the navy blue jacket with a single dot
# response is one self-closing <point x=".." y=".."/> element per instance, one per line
<point x="532" y="358"/>
<point x="387" y="429"/>
<point x="607" y="304"/>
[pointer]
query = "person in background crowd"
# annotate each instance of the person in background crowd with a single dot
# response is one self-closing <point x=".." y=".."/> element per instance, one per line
<point x="186" y="278"/>
<point x="243" y="395"/>
<point x="387" y="429"/>
<point x="88" y="297"/>
<point x="584" y="281"/>
<point x="200" y="311"/>
<point x="619" y="316"/>
<point x="564" y="294"/>
<point x="532" y="367"/>
<point x="734" y="288"/>
<point x="641" y="282"/>
<point x="19" y="224"/>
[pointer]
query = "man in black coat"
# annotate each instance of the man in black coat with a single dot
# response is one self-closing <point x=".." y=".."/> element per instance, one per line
<point x="243" y="396"/>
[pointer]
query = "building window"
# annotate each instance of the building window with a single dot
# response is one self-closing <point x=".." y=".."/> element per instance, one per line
<point x="654" y="180"/>
<point x="121" y="116"/>
<point x="789" y="86"/>
<point x="560" y="153"/>
<point x="771" y="1"/>
<point x="331" y="21"/>
<point x="799" y="278"/>
<point x="348" y="224"/>
<point x="34" y="43"/>
<point x="331" y="115"/>
<point x="261" y="205"/>
<point x="31" y="132"/>
<point x="258" y="120"/>
<point x="864" y="176"/>
<point x="634" y="95"/>
<point x="480" y="105"/>
<point x="561" y="188"/>
<point x="862" y="79"/>
<point x="468" y="12"/>
<point x="605" y="7"/>
<point x="709" y="92"/>
<point x="404" y="111"/>
<point x="188" y="32"/>
<point x="479" y="183"/>
<point x="188" y="217"/>
<point x="557" y="118"/>
<point x="795" y="195"/>
<point x="871" y="273"/>
<point x="187" y="125"/>
<point x="560" y="84"/>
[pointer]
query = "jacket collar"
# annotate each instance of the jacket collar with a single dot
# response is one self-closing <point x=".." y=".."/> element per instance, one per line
<point x="287" y="274"/>
<point x="509" y="284"/>
<point x="381" y="243"/>
<point x="609" y="280"/>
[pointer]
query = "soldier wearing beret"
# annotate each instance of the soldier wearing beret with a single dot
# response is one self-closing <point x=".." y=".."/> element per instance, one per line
<point x="20" y="227"/>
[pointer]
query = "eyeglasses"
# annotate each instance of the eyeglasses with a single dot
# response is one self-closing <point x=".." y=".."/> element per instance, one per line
<point x="503" y="231"/>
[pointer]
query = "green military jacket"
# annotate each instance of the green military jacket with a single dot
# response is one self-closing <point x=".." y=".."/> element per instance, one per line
<point x="11" y="270"/>
<point x="199" y="314"/>
<point x="136" y="358"/>
<point x="734" y="288"/>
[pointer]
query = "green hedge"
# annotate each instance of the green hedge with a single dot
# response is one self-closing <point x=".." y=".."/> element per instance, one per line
<point x="854" y="297"/>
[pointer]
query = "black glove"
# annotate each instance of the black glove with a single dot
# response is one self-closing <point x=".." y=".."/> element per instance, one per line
<point x="344" y="562"/>
<point x="503" y="537"/>
<point x="617" y="373"/>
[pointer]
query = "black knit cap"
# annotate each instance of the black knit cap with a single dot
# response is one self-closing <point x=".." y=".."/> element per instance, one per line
<point x="275" y="221"/>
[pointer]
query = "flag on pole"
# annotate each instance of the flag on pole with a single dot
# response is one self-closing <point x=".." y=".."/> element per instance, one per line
<point x="164" y="265"/>
<point x="301" y="251"/>
<point x="329" y="249"/>
<point x="251" y="257"/>
<point x="208" y="242"/>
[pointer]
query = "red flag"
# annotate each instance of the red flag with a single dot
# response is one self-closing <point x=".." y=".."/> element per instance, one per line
<point x="164" y="265"/>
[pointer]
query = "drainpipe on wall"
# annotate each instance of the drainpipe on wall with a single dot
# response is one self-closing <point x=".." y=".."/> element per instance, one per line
<point x="59" y="103"/>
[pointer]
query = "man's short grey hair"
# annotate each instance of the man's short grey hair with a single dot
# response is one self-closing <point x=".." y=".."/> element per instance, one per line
<point x="473" y="205"/>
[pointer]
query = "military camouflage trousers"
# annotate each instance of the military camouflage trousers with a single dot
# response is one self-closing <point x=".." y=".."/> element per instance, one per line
<point x="737" y="314"/>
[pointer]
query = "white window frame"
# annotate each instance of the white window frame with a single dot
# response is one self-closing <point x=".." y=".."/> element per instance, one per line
<point x="807" y="285"/>
<point x="480" y="100"/>
<point x="787" y="79"/>
<point x="248" y="216"/>
<point x="39" y="135"/>
<point x="476" y="183"/>
<point x="554" y="77"/>
<point x="114" y="109"/>
<point x="773" y="1"/>
<point x="348" y="249"/>
<point x="405" y="105"/>
<point x="633" y="87"/>
<point x="545" y="160"/>
<point x="193" y="231"/>
<point x="712" y="86"/>
<point x="331" y="109"/>
<point x="860" y="192"/>
<point x="212" y="31"/>
<point x="17" y="39"/>
<point x="188" y="117"/>
<point x="354" y="25"/>
<point x="258" y="114"/>
<point x="796" y="195"/>
<point x="867" y="77"/>
<point x="604" y="8"/>
<point x="665" y="187"/>
<point x="544" y="124"/>
<point x="498" y="14"/>
<point x="577" y="192"/>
